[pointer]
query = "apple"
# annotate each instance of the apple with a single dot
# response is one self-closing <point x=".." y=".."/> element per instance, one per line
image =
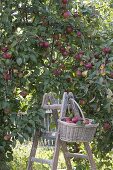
<point x="24" y="93"/>
<point x="4" y="49"/>
<point x="7" y="76"/>
<point x="7" y="55"/>
<point x="79" y="34"/>
<point x="78" y="56"/>
<point x="106" y="126"/>
<point x="82" y="102"/>
<point x="46" y="44"/>
<point x="57" y="72"/>
<point x="84" y="73"/>
<point x="62" y="49"/>
<point x="69" y="29"/>
<point x="7" y="137"/>
<point x="66" y="14"/>
<point x="69" y="79"/>
<point x="65" y="53"/>
<point x="106" y="50"/>
<point x="76" y="119"/>
<point x="67" y="119"/>
<point x="64" y="1"/>
<point x="86" y="121"/>
<point x="89" y="66"/>
<point x="78" y="73"/>
<point x="41" y="44"/>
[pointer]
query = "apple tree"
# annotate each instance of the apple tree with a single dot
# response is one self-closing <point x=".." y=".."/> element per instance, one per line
<point x="55" y="45"/>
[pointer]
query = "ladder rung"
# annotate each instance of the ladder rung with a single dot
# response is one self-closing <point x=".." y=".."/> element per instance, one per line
<point x="52" y="107"/>
<point x="76" y="155"/>
<point x="43" y="161"/>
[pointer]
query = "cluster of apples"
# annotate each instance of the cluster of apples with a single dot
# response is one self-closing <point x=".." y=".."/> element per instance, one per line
<point x="78" y="120"/>
<point x="6" y="54"/>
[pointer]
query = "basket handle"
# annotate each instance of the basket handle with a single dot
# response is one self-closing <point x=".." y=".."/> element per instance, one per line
<point x="78" y="108"/>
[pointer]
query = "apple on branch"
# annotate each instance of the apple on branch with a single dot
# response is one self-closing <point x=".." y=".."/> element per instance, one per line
<point x="7" y="137"/>
<point x="66" y="14"/>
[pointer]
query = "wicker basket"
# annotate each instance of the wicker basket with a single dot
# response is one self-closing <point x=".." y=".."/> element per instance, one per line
<point x="71" y="132"/>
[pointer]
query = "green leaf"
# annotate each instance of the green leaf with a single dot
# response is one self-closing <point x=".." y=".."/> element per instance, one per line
<point x="19" y="61"/>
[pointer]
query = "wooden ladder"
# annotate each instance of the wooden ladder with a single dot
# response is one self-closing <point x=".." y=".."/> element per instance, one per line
<point x="59" y="144"/>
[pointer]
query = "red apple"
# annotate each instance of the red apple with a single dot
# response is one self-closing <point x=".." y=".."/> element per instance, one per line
<point x="89" y="66"/>
<point x="68" y="119"/>
<point x="86" y="121"/>
<point x="24" y="93"/>
<point x="66" y="14"/>
<point x="65" y="53"/>
<point x="46" y="44"/>
<point x="62" y="49"/>
<point x="4" y="49"/>
<point x="41" y="44"/>
<point x="7" y="55"/>
<point x="78" y="73"/>
<point x="79" y="34"/>
<point x="69" y="29"/>
<point x="75" y="119"/>
<point x="7" y="137"/>
<point x="78" y="56"/>
<point x="7" y="76"/>
<point x="106" y="126"/>
<point x="57" y="72"/>
<point x="82" y="102"/>
<point x="106" y="50"/>
<point x="64" y="1"/>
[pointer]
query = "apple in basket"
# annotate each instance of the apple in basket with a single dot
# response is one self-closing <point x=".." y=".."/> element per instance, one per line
<point x="76" y="119"/>
<point x="68" y="120"/>
<point x="86" y="121"/>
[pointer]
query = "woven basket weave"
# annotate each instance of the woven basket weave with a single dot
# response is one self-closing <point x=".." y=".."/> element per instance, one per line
<point x="71" y="132"/>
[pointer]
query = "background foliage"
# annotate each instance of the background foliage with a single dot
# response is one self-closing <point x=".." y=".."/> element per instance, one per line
<point x="52" y="46"/>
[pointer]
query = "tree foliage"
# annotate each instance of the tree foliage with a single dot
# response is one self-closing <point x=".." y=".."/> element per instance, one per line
<point x="51" y="46"/>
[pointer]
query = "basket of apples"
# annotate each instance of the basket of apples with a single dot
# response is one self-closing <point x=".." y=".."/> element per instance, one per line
<point x="77" y="128"/>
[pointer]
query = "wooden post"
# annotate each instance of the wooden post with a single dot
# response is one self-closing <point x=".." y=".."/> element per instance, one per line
<point x="33" y="149"/>
<point x="58" y="141"/>
<point x="90" y="156"/>
<point x="65" y="151"/>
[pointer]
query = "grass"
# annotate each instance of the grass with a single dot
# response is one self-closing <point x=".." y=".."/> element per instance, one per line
<point x="22" y="152"/>
<point x="21" y="155"/>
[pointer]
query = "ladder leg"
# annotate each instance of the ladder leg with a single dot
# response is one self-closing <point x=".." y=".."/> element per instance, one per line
<point x="67" y="160"/>
<point x="33" y="149"/>
<point x="56" y="153"/>
<point x="90" y="156"/>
